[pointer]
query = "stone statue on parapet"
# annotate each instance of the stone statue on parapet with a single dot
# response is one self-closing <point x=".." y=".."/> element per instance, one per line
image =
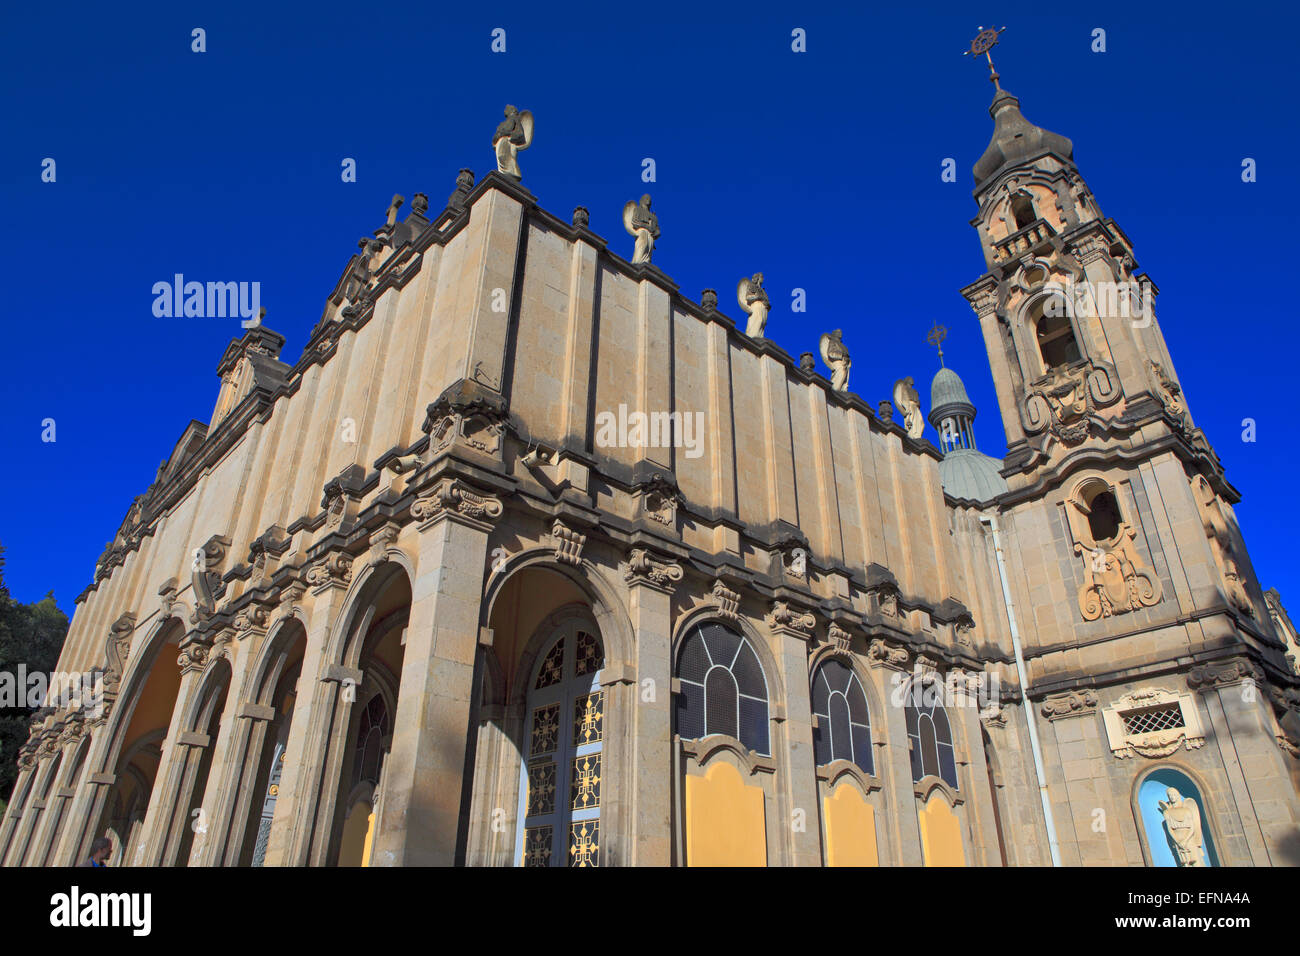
<point x="393" y="206"/>
<point x="753" y="299"/>
<point x="836" y="356"/>
<point x="908" y="402"/>
<point x="642" y="225"/>
<point x="513" y="133"/>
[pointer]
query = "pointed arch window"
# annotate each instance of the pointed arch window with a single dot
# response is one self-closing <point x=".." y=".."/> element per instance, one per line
<point x="929" y="736"/>
<point x="724" y="690"/>
<point x="843" y="730"/>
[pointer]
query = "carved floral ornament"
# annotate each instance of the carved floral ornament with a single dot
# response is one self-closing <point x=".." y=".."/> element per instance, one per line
<point x="1152" y="722"/>
<point x="1116" y="580"/>
<point x="335" y="570"/>
<point x="452" y="497"/>
<point x="1061" y="404"/>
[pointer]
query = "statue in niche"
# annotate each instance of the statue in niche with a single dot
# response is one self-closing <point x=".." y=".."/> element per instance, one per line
<point x="836" y="356"/>
<point x="753" y="299"/>
<point x="909" y="403"/>
<point x="1183" y="824"/>
<point x="642" y="225"/>
<point x="513" y="133"/>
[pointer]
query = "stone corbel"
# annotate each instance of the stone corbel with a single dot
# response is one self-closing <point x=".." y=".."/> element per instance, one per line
<point x="840" y="638"/>
<point x="647" y="571"/>
<point x="725" y="600"/>
<point x="468" y="414"/>
<point x="342" y="499"/>
<point x="568" y="543"/>
<point x="206" y="577"/>
<point x="792" y="549"/>
<point x="193" y="656"/>
<point x="452" y="498"/>
<point x="381" y="539"/>
<point x="265" y="551"/>
<point x="253" y="619"/>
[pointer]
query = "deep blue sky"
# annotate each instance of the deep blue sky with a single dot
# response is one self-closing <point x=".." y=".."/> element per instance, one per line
<point x="820" y="169"/>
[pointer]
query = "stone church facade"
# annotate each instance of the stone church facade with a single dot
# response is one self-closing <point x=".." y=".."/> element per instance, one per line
<point x="406" y="602"/>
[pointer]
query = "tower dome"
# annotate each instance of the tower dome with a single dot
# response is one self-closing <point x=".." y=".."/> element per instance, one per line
<point x="965" y="471"/>
<point x="1016" y="140"/>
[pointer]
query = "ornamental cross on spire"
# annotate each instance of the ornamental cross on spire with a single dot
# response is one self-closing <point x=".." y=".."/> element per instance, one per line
<point x="984" y="42"/>
<point x="936" y="337"/>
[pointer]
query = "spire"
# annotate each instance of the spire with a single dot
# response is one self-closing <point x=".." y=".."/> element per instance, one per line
<point x="1015" y="139"/>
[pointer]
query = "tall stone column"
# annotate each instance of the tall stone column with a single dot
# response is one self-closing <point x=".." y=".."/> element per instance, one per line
<point x="649" y="724"/>
<point x="888" y="670"/>
<point x="792" y="631"/>
<point x="14" y="812"/>
<point x="160" y="816"/>
<point x="964" y="710"/>
<point x="292" y="826"/>
<point x="424" y="772"/>
<point x="59" y="797"/>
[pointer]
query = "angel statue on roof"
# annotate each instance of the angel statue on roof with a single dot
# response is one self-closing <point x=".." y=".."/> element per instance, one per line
<point x="513" y="133"/>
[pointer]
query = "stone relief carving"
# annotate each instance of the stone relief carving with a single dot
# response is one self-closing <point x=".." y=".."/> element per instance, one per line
<point x="193" y="657"/>
<point x="568" y="543"/>
<point x="644" y="569"/>
<point x="836" y="356"/>
<point x="474" y="420"/>
<point x="513" y="134"/>
<point x="1062" y="402"/>
<point x="1214" y="518"/>
<point x="659" y="500"/>
<point x="1115" y="578"/>
<point x="709" y="300"/>
<point x="643" y="226"/>
<point x="754" y="302"/>
<point x="1221" y="674"/>
<point x="908" y="403"/>
<point x="1182" y="819"/>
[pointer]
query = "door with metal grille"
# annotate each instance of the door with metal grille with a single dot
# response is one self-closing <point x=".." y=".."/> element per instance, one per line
<point x="559" y="785"/>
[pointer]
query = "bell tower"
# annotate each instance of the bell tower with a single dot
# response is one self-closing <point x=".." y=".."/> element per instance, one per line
<point x="1124" y="551"/>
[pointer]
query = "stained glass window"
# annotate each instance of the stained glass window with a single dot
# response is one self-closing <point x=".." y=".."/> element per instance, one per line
<point x="844" y="725"/>
<point x="560" y="780"/>
<point x="723" y="688"/>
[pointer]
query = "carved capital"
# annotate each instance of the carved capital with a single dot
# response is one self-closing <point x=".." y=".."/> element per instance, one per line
<point x="791" y="620"/>
<point x="335" y="570"/>
<point x="451" y="497"/>
<point x="1211" y="676"/>
<point x="1074" y="703"/>
<point x="642" y="569"/>
<point x="888" y="654"/>
<point x="193" y="657"/>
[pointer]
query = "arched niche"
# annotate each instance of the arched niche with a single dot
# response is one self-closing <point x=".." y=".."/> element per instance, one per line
<point x="1174" y="819"/>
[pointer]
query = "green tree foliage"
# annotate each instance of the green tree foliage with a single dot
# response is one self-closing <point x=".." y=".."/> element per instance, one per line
<point x="31" y="635"/>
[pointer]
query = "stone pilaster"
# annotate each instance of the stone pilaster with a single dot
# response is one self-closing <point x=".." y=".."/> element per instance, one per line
<point x="649" y="723"/>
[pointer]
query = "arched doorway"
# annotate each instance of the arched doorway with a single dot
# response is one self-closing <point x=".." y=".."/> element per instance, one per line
<point x="559" y="777"/>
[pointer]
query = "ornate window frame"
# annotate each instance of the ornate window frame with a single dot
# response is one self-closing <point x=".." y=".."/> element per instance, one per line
<point x="1156" y="743"/>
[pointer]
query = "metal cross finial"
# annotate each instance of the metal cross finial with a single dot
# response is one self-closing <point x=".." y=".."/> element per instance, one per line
<point x="936" y="337"/>
<point x="984" y="42"/>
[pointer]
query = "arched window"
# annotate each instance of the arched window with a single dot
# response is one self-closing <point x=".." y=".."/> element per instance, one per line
<point x="723" y="688"/>
<point x="368" y="752"/>
<point x="929" y="736"/>
<point x="1056" y="342"/>
<point x="1103" y="516"/>
<point x="559" y="786"/>
<point x="843" y="730"/>
<point x="1022" y="210"/>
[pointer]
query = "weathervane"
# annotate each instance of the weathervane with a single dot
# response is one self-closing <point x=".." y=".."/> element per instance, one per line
<point x="985" y="41"/>
<point x="936" y="337"/>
